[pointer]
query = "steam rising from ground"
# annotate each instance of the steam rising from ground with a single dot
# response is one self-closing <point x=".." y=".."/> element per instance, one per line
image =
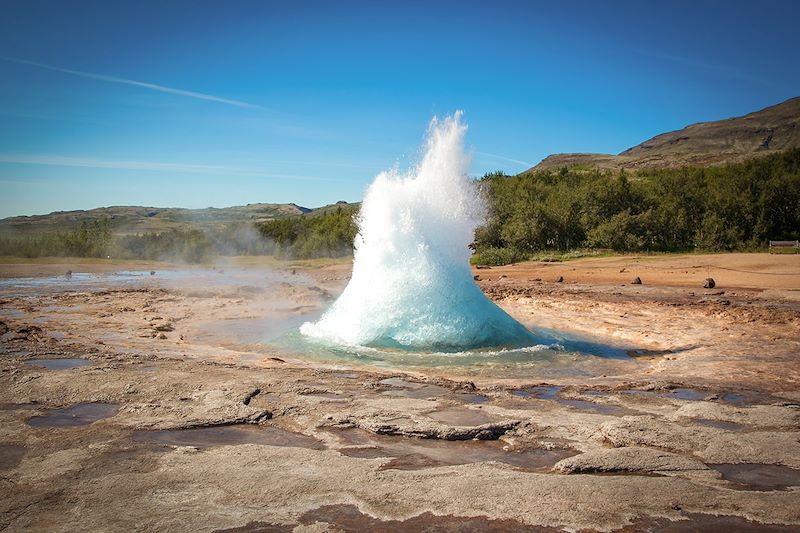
<point x="412" y="286"/>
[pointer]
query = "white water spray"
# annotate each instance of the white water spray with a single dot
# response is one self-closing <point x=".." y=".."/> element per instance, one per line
<point x="411" y="285"/>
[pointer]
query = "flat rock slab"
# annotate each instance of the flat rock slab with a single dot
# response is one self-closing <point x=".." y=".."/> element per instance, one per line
<point x="633" y="459"/>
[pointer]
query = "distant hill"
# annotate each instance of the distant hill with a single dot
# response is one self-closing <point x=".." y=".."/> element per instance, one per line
<point x="136" y="219"/>
<point x="764" y="132"/>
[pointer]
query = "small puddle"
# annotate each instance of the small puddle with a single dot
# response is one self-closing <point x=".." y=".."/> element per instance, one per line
<point x="406" y="453"/>
<point x="738" y="399"/>
<point x="11" y="455"/>
<point x="400" y="382"/>
<point x="600" y="408"/>
<point x="705" y="523"/>
<point x="59" y="364"/>
<point x="552" y="392"/>
<point x="347" y="517"/>
<point x="468" y="397"/>
<point x="692" y="395"/>
<point x="760" y="477"/>
<point x="540" y="392"/>
<point x="422" y="393"/>
<point x="460" y="416"/>
<point x="229" y="436"/>
<point x="81" y="414"/>
<point x="332" y="396"/>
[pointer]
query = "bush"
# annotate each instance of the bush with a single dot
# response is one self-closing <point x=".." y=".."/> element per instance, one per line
<point x="498" y="256"/>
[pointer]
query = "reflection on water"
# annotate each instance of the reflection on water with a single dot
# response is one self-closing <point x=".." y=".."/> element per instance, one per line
<point x="81" y="414"/>
<point x="754" y="476"/>
<point x="229" y="436"/>
<point x="59" y="364"/>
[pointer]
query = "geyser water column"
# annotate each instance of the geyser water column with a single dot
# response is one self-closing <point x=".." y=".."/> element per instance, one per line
<point x="412" y="286"/>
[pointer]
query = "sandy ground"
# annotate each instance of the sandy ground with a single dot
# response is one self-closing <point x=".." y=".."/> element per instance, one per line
<point x="182" y="419"/>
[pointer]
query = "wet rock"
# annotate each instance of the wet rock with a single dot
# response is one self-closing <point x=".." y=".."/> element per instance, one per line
<point x="489" y="431"/>
<point x="256" y="417"/>
<point x="250" y="395"/>
<point x="27" y="332"/>
<point x="636" y="281"/>
<point x="709" y="283"/>
<point x="633" y="459"/>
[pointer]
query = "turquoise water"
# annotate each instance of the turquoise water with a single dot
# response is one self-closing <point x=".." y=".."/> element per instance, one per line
<point x="557" y="354"/>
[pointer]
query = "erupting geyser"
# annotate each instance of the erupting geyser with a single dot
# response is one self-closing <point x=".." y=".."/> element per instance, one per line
<point x="412" y="286"/>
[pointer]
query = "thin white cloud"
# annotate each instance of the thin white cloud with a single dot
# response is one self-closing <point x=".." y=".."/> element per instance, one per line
<point x="503" y="158"/>
<point x="146" y="85"/>
<point x="154" y="166"/>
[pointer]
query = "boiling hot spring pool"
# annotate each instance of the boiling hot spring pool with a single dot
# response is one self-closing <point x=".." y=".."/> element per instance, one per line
<point x="411" y="300"/>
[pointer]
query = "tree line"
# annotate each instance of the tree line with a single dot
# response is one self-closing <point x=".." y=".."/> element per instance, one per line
<point x="329" y="233"/>
<point x="733" y="207"/>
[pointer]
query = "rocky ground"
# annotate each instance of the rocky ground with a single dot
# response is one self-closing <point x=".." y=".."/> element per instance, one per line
<point x="155" y="407"/>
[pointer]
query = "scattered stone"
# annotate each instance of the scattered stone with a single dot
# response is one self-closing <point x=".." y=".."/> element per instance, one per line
<point x="27" y="332"/>
<point x="709" y="283"/>
<point x="636" y="281"/>
<point x="250" y="395"/>
<point x="187" y="449"/>
<point x="559" y="279"/>
<point x="162" y="336"/>
<point x="164" y="327"/>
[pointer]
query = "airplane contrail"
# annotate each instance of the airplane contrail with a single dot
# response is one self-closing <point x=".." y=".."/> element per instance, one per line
<point x="146" y="85"/>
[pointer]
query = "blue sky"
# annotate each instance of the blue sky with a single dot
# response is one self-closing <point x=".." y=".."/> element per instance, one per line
<point x="200" y="104"/>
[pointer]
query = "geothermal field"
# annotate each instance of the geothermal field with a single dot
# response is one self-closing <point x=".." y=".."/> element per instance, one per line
<point x="405" y="390"/>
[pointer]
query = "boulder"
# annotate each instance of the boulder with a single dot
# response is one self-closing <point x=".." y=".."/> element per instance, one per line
<point x="709" y="283"/>
<point x="636" y="281"/>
